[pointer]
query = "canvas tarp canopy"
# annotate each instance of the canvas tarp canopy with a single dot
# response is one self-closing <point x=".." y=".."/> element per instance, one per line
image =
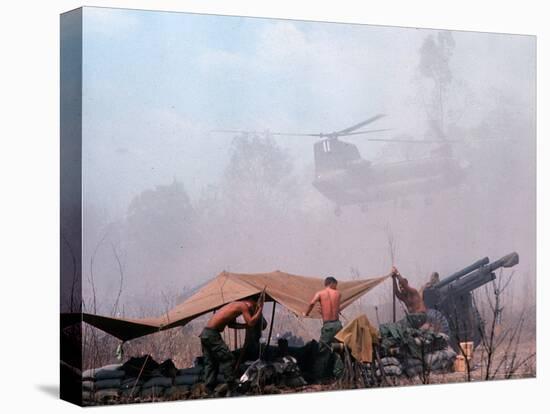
<point x="292" y="291"/>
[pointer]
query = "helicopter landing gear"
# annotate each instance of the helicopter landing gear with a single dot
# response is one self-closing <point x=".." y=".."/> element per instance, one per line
<point x="337" y="211"/>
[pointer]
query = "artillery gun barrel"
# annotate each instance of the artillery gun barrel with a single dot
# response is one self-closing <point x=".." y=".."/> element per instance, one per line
<point x="471" y="282"/>
<point x="482" y="275"/>
<point x="510" y="260"/>
<point x="460" y="273"/>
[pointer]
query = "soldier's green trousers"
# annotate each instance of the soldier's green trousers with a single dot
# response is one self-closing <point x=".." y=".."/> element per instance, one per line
<point x="217" y="357"/>
<point x="323" y="366"/>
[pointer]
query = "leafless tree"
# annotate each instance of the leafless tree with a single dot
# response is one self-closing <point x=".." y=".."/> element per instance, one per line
<point x="501" y="340"/>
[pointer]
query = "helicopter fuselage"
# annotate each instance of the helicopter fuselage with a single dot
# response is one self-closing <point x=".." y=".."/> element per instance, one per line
<point x="360" y="181"/>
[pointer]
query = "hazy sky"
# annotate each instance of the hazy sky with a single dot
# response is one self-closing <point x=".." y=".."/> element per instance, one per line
<point x="155" y="83"/>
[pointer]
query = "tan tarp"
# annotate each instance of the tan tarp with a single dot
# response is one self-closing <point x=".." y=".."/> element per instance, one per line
<point x="292" y="291"/>
<point x="359" y="336"/>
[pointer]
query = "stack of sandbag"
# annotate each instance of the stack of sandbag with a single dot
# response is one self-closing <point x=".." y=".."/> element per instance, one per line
<point x="189" y="376"/>
<point x="102" y="384"/>
<point x="391" y="366"/>
<point x="438" y="361"/>
<point x="146" y="379"/>
<point x="130" y="387"/>
<point x="140" y="378"/>
<point x="155" y="387"/>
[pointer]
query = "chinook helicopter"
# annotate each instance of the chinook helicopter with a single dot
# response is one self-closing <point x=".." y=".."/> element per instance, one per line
<point x="345" y="178"/>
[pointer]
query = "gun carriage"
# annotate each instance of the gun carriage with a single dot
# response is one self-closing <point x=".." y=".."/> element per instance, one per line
<point x="450" y="303"/>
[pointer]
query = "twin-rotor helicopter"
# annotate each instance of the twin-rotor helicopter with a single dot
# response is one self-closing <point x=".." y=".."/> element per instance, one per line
<point x="345" y="178"/>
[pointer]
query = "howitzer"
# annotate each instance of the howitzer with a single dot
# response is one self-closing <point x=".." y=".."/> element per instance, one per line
<point x="452" y="298"/>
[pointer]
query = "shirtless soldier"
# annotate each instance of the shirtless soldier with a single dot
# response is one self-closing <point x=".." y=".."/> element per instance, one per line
<point x="411" y="298"/>
<point x="216" y="353"/>
<point x="329" y="298"/>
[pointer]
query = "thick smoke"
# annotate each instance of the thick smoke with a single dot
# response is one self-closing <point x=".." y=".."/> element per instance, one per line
<point x="262" y="213"/>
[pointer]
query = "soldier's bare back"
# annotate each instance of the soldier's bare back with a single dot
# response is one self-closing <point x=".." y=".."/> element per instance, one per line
<point x="230" y="312"/>
<point x="330" y="303"/>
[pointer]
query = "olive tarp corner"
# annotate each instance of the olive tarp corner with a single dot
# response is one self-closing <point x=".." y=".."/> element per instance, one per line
<point x="292" y="291"/>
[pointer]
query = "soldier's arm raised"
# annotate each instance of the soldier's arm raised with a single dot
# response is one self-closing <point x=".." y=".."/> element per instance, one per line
<point x="251" y="320"/>
<point x="312" y="304"/>
<point x="396" y="289"/>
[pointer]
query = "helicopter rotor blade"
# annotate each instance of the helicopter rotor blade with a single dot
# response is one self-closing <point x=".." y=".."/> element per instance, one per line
<point x="232" y="131"/>
<point x="370" y="131"/>
<point x="359" y="125"/>
<point x="412" y="141"/>
<point x="292" y="134"/>
<point x="437" y="141"/>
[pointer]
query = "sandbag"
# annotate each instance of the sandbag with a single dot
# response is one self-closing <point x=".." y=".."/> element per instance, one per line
<point x="130" y="383"/>
<point x="107" y="383"/>
<point x="390" y="370"/>
<point x="443" y="365"/>
<point x="88" y="385"/>
<point x="131" y="392"/>
<point x="412" y="363"/>
<point x="188" y="379"/>
<point x="177" y="391"/>
<point x="104" y="374"/>
<point x="413" y="372"/>
<point x="92" y="373"/>
<point x="389" y="361"/>
<point x="158" y="382"/>
<point x="152" y="392"/>
<point x="106" y="394"/>
<point x="190" y="371"/>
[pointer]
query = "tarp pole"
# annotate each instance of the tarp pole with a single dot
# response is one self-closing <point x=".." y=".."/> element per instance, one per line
<point x="271" y="325"/>
<point x="393" y="300"/>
